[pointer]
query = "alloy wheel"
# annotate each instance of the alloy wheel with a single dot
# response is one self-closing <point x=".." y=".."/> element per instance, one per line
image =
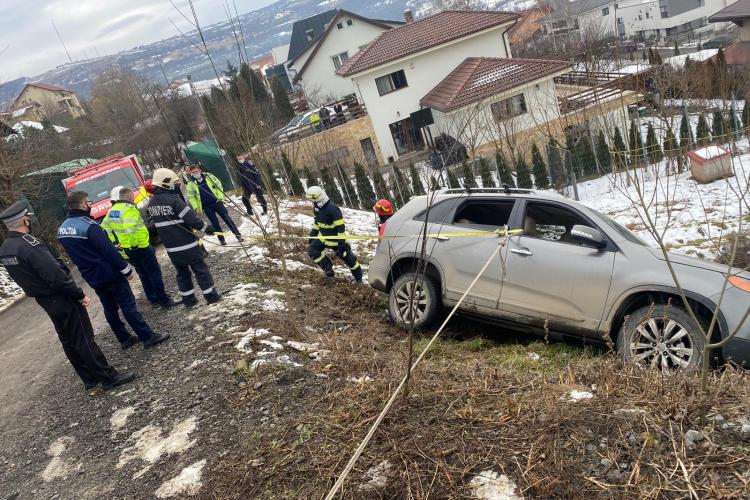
<point x="411" y="309"/>
<point x="662" y="343"/>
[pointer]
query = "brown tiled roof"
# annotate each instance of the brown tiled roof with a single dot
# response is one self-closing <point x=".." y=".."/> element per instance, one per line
<point x="423" y="34"/>
<point x="478" y="78"/>
<point x="46" y="86"/>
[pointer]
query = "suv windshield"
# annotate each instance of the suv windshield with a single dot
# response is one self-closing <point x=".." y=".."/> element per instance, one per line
<point x="625" y="232"/>
<point x="99" y="188"/>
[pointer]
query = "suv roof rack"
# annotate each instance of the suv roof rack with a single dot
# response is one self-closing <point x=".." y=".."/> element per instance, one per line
<point x="504" y="189"/>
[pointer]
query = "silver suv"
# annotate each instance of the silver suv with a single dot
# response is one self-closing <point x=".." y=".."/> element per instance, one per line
<point x="572" y="271"/>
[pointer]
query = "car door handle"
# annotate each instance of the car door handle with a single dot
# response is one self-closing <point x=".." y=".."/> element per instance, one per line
<point x="441" y="238"/>
<point x="522" y="251"/>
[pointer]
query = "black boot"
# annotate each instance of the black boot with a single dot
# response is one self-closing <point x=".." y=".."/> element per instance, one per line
<point x="132" y="340"/>
<point x="155" y="339"/>
<point x="120" y="379"/>
<point x="222" y="240"/>
<point x="212" y="297"/>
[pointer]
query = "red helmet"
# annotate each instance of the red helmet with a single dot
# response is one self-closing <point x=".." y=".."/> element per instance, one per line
<point x="383" y="207"/>
<point x="149" y="185"/>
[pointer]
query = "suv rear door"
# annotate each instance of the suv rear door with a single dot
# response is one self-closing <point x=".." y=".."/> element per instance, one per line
<point x="552" y="277"/>
<point x="461" y="258"/>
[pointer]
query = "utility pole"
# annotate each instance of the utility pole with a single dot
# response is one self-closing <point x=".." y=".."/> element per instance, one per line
<point x="70" y="59"/>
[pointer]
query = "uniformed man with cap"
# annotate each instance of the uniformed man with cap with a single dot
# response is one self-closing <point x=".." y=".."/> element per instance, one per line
<point x="40" y="272"/>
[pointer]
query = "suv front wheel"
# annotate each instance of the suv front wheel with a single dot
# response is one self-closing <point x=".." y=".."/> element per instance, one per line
<point x="423" y="309"/>
<point x="662" y="337"/>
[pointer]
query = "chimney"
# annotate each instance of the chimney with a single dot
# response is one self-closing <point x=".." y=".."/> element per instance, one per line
<point x="408" y="16"/>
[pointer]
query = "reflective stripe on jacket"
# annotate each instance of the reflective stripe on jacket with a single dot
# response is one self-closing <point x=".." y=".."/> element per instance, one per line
<point x="175" y="222"/>
<point x="194" y="194"/>
<point x="329" y="221"/>
<point x="125" y="226"/>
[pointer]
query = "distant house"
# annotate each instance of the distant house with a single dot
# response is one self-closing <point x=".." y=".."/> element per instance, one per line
<point x="39" y="101"/>
<point x="738" y="13"/>
<point x="402" y="65"/>
<point x="329" y="40"/>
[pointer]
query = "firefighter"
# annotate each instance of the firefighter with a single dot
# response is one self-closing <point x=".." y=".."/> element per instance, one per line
<point x="384" y="210"/>
<point x="88" y="246"/>
<point x="175" y="222"/>
<point x="329" y="222"/>
<point x="40" y="272"/>
<point x="206" y="195"/>
<point x="128" y="232"/>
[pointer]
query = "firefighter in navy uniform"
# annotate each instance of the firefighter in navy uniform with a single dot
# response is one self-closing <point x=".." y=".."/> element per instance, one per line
<point x="175" y="221"/>
<point x="40" y="272"/>
<point x="329" y="221"/>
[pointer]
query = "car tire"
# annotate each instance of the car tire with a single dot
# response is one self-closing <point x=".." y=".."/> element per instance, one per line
<point x="664" y="337"/>
<point x="428" y="303"/>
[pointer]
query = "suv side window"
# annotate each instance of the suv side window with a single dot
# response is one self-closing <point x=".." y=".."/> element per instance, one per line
<point x="493" y="214"/>
<point x="551" y="222"/>
<point x="439" y="212"/>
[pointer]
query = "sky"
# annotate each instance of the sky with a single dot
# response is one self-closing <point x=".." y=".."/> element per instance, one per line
<point x="29" y="45"/>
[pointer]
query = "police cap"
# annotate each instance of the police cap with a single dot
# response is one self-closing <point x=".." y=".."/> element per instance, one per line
<point x="15" y="211"/>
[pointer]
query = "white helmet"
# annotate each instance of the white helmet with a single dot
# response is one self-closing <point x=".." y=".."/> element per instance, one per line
<point x="114" y="195"/>
<point x="164" y="178"/>
<point x="316" y="195"/>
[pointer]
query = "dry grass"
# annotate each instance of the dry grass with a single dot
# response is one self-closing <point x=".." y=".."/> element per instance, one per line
<point x="480" y="400"/>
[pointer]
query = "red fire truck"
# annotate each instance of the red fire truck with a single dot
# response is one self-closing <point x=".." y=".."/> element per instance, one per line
<point x="99" y="178"/>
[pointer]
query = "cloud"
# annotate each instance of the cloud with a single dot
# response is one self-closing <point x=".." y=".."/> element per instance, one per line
<point x="91" y="27"/>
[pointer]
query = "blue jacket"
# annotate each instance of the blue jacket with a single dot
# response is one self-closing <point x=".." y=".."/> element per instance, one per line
<point x="250" y="177"/>
<point x="88" y="246"/>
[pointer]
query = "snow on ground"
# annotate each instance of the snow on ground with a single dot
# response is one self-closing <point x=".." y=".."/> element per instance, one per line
<point x="149" y="443"/>
<point x="9" y="291"/>
<point x="701" y="55"/>
<point x="489" y="485"/>
<point x="187" y="483"/>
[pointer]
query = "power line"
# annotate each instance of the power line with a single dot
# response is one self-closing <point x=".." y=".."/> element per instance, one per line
<point x="70" y="59"/>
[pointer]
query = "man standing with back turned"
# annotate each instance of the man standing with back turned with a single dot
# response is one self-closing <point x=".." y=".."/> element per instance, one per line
<point x="102" y="266"/>
<point x="40" y="272"/>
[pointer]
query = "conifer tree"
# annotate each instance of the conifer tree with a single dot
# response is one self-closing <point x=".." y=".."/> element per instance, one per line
<point x="416" y="183"/>
<point x="702" y="133"/>
<point x="556" y="166"/>
<point x="717" y="125"/>
<point x="503" y="172"/>
<point x="538" y="168"/>
<point x="381" y="189"/>
<point x="284" y="108"/>
<point x="254" y="84"/>
<point x="402" y="188"/>
<point x="651" y="58"/>
<point x="653" y="149"/>
<point x="453" y="182"/>
<point x="733" y="123"/>
<point x="310" y="178"/>
<point x="367" y="196"/>
<point x="488" y="181"/>
<point x="635" y="142"/>
<point x="330" y="186"/>
<point x="620" y="149"/>
<point x="467" y="173"/>
<point x="746" y="116"/>
<point x="295" y="184"/>
<point x="670" y="144"/>
<point x="603" y="153"/>
<point x="676" y="51"/>
<point x="523" y="175"/>
<point x="584" y="157"/>
<point x="686" y="133"/>
<point x="349" y="190"/>
<point x="269" y="174"/>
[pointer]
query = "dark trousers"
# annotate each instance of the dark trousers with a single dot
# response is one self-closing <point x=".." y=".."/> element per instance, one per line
<point x="202" y="276"/>
<point x="76" y="335"/>
<point x="343" y="252"/>
<point x="214" y="211"/>
<point x="246" y="194"/>
<point x="117" y="295"/>
<point x="145" y="264"/>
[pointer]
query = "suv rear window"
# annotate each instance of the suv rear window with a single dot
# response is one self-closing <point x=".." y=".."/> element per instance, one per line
<point x="439" y="212"/>
<point x="491" y="213"/>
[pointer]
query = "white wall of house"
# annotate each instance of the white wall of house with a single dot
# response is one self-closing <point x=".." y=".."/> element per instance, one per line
<point x="423" y="71"/>
<point x="320" y="81"/>
<point x="645" y="16"/>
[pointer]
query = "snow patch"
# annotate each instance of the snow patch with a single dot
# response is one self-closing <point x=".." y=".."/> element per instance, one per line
<point x="119" y="418"/>
<point x="361" y="380"/>
<point x="149" y="443"/>
<point x="59" y="467"/>
<point x="187" y="482"/>
<point x="248" y="336"/>
<point x="378" y="475"/>
<point x="489" y="485"/>
<point x="575" y="396"/>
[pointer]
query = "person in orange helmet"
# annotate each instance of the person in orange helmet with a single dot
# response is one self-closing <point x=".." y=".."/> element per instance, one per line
<point x="384" y="210"/>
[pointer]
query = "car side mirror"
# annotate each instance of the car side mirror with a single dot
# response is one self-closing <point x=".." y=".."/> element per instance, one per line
<point x="588" y="236"/>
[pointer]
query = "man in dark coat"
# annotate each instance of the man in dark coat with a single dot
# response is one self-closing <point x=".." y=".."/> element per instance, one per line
<point x="252" y="182"/>
<point x="38" y="270"/>
<point x="175" y="221"/>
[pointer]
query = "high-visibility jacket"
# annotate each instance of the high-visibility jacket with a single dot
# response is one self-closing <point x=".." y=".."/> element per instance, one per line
<point x="314" y="119"/>
<point x="194" y="194"/>
<point x="329" y="221"/>
<point x="124" y="225"/>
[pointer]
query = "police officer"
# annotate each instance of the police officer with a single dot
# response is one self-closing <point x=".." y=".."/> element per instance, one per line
<point x="175" y="222"/>
<point x="40" y="272"/>
<point x="329" y="221"/>
<point x="252" y="182"/>
<point x="126" y="229"/>
<point x="88" y="246"/>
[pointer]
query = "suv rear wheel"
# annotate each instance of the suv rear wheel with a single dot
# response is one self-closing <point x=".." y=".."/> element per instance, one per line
<point x="663" y="337"/>
<point x="426" y="305"/>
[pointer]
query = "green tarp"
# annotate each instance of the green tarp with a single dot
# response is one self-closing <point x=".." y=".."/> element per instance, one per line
<point x="209" y="156"/>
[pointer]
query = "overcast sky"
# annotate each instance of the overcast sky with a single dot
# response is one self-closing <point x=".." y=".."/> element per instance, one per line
<point x="29" y="45"/>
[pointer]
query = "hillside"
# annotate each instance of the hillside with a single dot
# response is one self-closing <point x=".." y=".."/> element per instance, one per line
<point x="263" y="29"/>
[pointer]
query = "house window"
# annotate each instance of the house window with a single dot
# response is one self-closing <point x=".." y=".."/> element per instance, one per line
<point x="575" y="24"/>
<point x="310" y="34"/>
<point x="389" y="83"/>
<point x="640" y="17"/>
<point x="508" y="108"/>
<point x="340" y="59"/>
<point x="605" y="11"/>
<point x="619" y="20"/>
<point x="664" y="12"/>
<point x="339" y="26"/>
<point x="557" y="25"/>
<point x="701" y="3"/>
<point x="647" y="16"/>
<point x="348" y="22"/>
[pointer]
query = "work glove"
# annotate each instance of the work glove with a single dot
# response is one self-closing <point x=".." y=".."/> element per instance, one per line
<point x="199" y="211"/>
<point x="210" y="229"/>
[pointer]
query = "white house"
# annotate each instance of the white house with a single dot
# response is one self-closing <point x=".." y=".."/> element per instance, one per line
<point x="402" y="65"/>
<point x="314" y="67"/>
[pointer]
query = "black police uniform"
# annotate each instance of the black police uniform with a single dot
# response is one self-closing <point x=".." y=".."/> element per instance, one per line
<point x="40" y="272"/>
